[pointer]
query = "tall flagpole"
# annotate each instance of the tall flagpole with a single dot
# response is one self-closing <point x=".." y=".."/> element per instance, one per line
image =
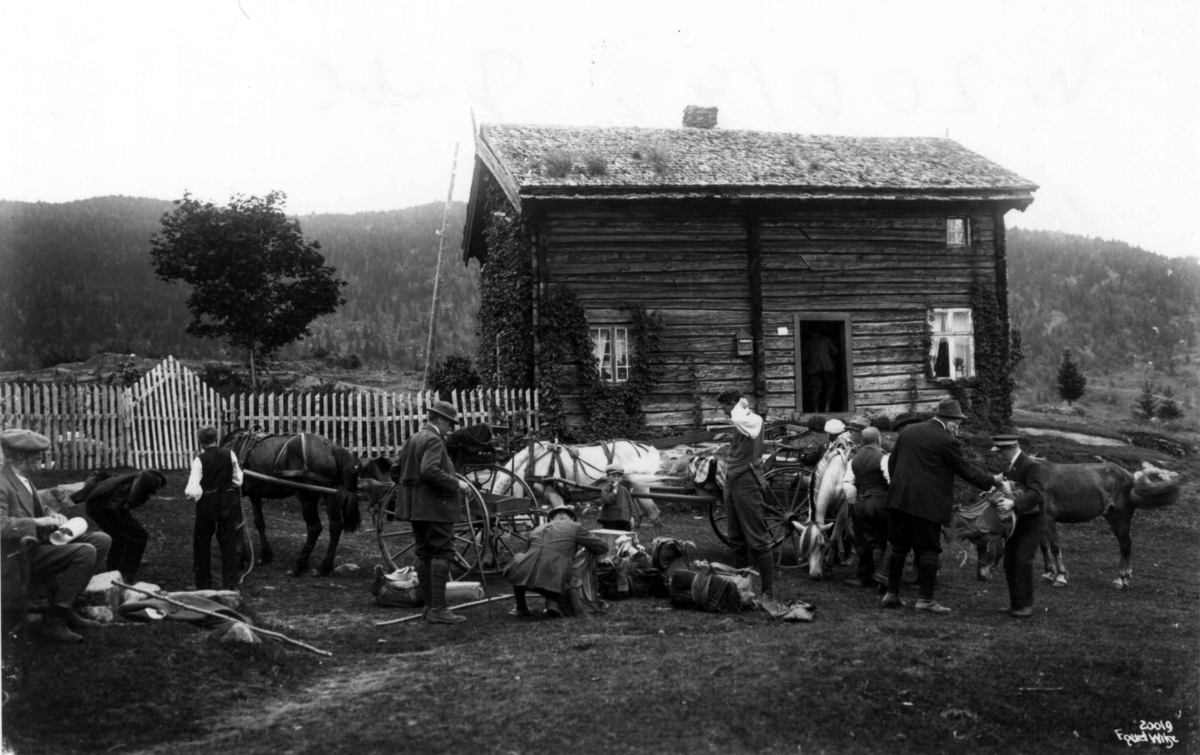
<point x="437" y="275"/>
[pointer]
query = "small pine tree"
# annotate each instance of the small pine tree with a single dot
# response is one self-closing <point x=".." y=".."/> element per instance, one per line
<point x="1168" y="407"/>
<point x="1071" y="381"/>
<point x="1146" y="405"/>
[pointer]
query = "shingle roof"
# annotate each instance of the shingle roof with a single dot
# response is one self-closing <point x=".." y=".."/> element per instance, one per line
<point x="770" y="162"/>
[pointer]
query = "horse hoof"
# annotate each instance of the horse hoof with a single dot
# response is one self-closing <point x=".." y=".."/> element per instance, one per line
<point x="1120" y="584"/>
<point x="983" y="575"/>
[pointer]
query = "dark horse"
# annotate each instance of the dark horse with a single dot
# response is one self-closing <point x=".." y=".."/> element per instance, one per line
<point x="1082" y="492"/>
<point x="309" y="460"/>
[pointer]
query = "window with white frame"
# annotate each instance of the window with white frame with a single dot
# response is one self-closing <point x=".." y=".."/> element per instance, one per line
<point x="958" y="232"/>
<point x="610" y="345"/>
<point x="952" y="350"/>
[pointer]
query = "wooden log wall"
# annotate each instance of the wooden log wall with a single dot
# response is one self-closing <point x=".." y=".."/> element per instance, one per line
<point x="692" y="264"/>
<point x="884" y="268"/>
<point x="688" y="264"/>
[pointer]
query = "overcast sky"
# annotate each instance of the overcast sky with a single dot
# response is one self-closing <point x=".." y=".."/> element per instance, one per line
<point x="352" y="106"/>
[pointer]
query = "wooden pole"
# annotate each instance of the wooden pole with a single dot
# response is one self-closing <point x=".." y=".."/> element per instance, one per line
<point x="460" y="605"/>
<point x="437" y="275"/>
<point x="223" y="617"/>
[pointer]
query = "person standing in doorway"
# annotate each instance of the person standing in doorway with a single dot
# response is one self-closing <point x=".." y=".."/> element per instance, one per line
<point x="821" y="369"/>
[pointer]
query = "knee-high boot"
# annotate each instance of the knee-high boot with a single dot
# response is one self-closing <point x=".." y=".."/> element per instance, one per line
<point x="439" y="575"/>
<point x="425" y="584"/>
<point x="766" y="570"/>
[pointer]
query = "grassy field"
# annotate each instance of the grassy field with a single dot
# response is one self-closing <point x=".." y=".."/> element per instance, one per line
<point x="647" y="677"/>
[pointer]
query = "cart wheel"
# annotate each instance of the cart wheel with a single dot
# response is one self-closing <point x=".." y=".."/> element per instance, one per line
<point x="514" y="513"/>
<point x="398" y="546"/>
<point x="786" y="495"/>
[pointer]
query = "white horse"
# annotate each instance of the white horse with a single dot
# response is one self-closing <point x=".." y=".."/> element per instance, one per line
<point x="586" y="465"/>
<point x="828" y="502"/>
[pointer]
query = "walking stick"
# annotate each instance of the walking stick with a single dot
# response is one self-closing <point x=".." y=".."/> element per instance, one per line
<point x="223" y="617"/>
<point x="489" y="601"/>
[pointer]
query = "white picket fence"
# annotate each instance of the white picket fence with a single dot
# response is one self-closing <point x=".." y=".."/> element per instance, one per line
<point x="153" y="424"/>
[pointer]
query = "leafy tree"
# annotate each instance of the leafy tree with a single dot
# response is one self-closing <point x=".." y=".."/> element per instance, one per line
<point x="1168" y="407"/>
<point x="255" y="280"/>
<point x="454" y="374"/>
<point x="1071" y="381"/>
<point x="1146" y="405"/>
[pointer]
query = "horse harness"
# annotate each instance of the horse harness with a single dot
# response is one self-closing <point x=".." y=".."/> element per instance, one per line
<point x="244" y="445"/>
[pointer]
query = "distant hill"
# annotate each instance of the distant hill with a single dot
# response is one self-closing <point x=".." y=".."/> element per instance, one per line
<point x="1125" y="312"/>
<point x="77" y="281"/>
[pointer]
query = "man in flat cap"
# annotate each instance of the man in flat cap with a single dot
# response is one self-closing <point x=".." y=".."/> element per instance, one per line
<point x="428" y="496"/>
<point x="1022" y="545"/>
<point x="66" y="568"/>
<point x="920" y="501"/>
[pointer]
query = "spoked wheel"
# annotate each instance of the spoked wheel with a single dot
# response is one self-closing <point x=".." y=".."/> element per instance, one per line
<point x="785" y="497"/>
<point x="514" y="514"/>
<point x="399" y="548"/>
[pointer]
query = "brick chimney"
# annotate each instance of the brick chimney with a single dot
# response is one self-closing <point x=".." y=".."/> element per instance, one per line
<point x="699" y="117"/>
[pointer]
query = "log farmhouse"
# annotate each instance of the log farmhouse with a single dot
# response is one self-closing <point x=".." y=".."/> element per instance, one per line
<point x="752" y="247"/>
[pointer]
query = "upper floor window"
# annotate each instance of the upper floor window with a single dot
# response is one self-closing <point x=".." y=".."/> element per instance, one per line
<point x="953" y="349"/>
<point x="958" y="232"/>
<point x="610" y="344"/>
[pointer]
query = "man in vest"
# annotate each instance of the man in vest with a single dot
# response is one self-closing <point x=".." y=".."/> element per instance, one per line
<point x="866" y="492"/>
<point x="745" y="521"/>
<point x="214" y="485"/>
<point x="920" y="500"/>
<point x="68" y="567"/>
<point x="428" y="496"/>
<point x="1022" y="545"/>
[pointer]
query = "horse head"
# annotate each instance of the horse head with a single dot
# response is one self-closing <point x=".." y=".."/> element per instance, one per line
<point x="829" y="500"/>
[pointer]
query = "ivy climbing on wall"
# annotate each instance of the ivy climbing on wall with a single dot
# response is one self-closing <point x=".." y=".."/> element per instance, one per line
<point x="505" y="353"/>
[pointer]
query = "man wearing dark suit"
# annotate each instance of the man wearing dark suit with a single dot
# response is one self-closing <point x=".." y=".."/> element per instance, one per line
<point x="67" y="568"/>
<point x="920" y="500"/>
<point x="428" y="496"/>
<point x="545" y="567"/>
<point x="1022" y="545"/>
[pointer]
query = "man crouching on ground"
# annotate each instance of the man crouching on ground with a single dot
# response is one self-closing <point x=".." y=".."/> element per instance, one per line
<point x="545" y="567"/>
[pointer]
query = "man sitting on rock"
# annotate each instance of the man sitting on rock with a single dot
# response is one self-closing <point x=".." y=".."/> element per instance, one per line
<point x="66" y="568"/>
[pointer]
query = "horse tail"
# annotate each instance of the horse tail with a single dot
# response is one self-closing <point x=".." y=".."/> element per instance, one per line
<point x="345" y="500"/>
<point x="1145" y="493"/>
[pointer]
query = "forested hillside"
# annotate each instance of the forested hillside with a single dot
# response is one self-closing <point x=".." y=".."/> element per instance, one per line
<point x="76" y="279"/>
<point x="1117" y="306"/>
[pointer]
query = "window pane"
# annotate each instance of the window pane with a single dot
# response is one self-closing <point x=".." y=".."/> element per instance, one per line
<point x="960" y="321"/>
<point x="939" y="321"/>
<point x="621" y="353"/>
<point x="602" y="349"/>
<point x="956" y="231"/>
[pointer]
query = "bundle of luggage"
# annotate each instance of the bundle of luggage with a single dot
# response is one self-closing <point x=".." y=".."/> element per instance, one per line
<point x="400" y="589"/>
<point x="634" y="571"/>
<point x="714" y="587"/>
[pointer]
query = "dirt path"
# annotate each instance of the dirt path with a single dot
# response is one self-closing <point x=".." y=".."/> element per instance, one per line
<point x="1091" y="440"/>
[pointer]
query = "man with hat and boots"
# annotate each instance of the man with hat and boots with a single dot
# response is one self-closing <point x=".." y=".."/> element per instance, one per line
<point x="428" y="496"/>
<point x="545" y="567"/>
<point x="1022" y="545"/>
<point x="68" y="567"/>
<point x="745" y="521"/>
<point x="920" y="500"/>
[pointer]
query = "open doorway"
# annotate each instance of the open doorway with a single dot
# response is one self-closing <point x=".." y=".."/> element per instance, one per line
<point x="823" y="364"/>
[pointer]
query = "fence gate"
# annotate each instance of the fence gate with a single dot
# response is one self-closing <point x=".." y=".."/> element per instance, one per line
<point x="163" y="412"/>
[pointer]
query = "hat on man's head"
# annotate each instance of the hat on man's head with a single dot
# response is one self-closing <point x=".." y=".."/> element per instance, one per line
<point x="23" y="440"/>
<point x="1004" y="441"/>
<point x="564" y="509"/>
<point x="950" y="409"/>
<point x="614" y="467"/>
<point x="860" y="423"/>
<point x="445" y="409"/>
<point x="835" y="427"/>
<point x="903" y="420"/>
